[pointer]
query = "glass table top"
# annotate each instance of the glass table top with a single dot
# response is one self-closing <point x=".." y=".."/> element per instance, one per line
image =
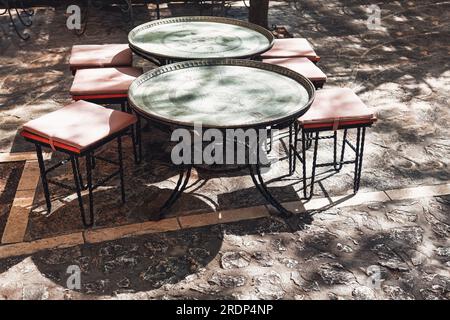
<point x="185" y="38"/>
<point x="221" y="93"/>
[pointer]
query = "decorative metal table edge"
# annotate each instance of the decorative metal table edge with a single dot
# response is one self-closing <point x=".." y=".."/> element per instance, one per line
<point x="160" y="59"/>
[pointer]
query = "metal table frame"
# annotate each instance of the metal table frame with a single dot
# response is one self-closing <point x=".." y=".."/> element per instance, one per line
<point x="20" y="9"/>
<point x="254" y="169"/>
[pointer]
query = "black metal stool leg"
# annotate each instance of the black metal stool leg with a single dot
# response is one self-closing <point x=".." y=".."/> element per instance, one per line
<point x="78" y="190"/>
<point x="134" y="143"/>
<point x="305" y="194"/>
<point x="335" y="149"/>
<point x="360" y="160"/>
<point x="355" y="178"/>
<point x="89" y="186"/>
<point x="290" y="150"/>
<point x="344" y="142"/>
<point x="119" y="150"/>
<point x="139" y="139"/>
<point x="43" y="177"/>
<point x="295" y="140"/>
<point x="314" y="162"/>
<point x="80" y="177"/>
<point x="310" y="140"/>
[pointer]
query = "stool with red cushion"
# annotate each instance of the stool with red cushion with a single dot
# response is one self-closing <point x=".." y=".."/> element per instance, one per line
<point x="104" y="85"/>
<point x="332" y="110"/>
<point x="107" y="86"/>
<point x="100" y="56"/>
<point x="291" y="48"/>
<point x="78" y="130"/>
<point x="304" y="66"/>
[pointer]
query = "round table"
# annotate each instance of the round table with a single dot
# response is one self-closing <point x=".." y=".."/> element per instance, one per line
<point x="222" y="94"/>
<point x="198" y="37"/>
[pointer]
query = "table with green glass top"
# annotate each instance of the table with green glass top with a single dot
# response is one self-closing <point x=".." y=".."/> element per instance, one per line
<point x="198" y="37"/>
<point x="223" y="95"/>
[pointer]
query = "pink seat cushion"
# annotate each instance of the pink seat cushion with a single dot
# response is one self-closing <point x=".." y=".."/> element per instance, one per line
<point x="105" y="55"/>
<point x="337" y="106"/>
<point x="301" y="65"/>
<point x="80" y="124"/>
<point x="290" y="48"/>
<point x="103" y="81"/>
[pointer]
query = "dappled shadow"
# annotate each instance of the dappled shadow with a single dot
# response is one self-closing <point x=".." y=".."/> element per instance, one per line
<point x="332" y="257"/>
<point x="400" y="70"/>
<point x="136" y="264"/>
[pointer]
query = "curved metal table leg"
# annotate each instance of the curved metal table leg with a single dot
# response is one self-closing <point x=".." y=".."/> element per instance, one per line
<point x="182" y="182"/>
<point x="11" y="5"/>
<point x="255" y="173"/>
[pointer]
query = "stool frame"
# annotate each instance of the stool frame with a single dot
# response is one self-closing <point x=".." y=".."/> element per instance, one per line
<point x="88" y="153"/>
<point x="311" y="136"/>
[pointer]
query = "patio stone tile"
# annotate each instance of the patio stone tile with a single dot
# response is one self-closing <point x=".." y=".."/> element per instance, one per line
<point x="18" y="217"/>
<point x="10" y="173"/>
<point x="359" y="198"/>
<point x="21" y="156"/>
<point x="224" y="216"/>
<point x="30" y="176"/>
<point x="423" y="191"/>
<point x="302" y="206"/>
<point x="338" y="202"/>
<point x="293" y="206"/>
<point x="106" y="234"/>
<point x="24" y="248"/>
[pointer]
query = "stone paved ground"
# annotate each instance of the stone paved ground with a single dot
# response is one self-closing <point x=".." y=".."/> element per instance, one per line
<point x="401" y="71"/>
<point x="332" y="258"/>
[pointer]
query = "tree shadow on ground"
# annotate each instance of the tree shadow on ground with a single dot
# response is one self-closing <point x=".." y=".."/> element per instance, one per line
<point x="135" y="264"/>
<point x="332" y="257"/>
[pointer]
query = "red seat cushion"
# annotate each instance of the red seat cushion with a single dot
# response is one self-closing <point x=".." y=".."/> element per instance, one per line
<point x="77" y="126"/>
<point x="291" y="48"/>
<point x="301" y="65"/>
<point x="104" y="55"/>
<point x="336" y="108"/>
<point x="107" y="82"/>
